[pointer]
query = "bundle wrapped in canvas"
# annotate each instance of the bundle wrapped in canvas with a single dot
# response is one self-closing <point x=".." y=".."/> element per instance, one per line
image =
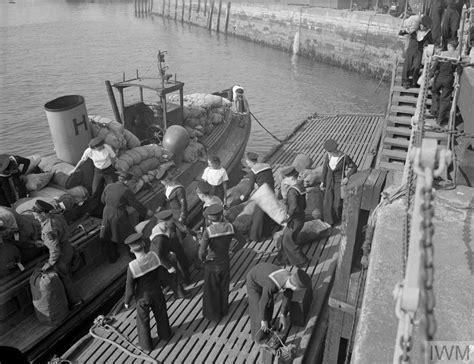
<point x="7" y="217"/>
<point x="312" y="231"/>
<point x="243" y="216"/>
<point x="37" y="181"/>
<point x="266" y="199"/>
<point x="35" y="160"/>
<point x="110" y="130"/>
<point x="79" y="193"/>
<point x="139" y="154"/>
<point x="234" y="193"/>
<point x="63" y="172"/>
<point x="194" y="152"/>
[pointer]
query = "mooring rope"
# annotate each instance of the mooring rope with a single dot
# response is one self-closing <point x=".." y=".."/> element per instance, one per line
<point x="268" y="131"/>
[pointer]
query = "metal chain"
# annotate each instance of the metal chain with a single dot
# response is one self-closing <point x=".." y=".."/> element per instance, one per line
<point x="427" y="272"/>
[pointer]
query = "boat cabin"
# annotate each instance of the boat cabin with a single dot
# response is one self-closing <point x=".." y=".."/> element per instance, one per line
<point x="149" y="119"/>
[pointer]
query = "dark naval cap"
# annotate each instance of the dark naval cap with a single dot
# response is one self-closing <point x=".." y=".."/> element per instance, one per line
<point x="251" y="156"/>
<point x="203" y="187"/>
<point x="330" y="145"/>
<point x="214" y="210"/>
<point x="300" y="279"/>
<point x="134" y="239"/>
<point x="96" y="142"/>
<point x="289" y="171"/>
<point x="42" y="206"/>
<point x="164" y="215"/>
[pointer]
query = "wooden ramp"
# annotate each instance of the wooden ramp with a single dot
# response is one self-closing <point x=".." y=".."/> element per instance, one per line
<point x="196" y="340"/>
<point x="397" y="128"/>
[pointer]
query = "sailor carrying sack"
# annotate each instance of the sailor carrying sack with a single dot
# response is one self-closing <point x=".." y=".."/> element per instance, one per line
<point x="49" y="296"/>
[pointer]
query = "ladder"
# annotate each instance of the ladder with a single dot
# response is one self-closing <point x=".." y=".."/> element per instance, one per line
<point x="397" y="128"/>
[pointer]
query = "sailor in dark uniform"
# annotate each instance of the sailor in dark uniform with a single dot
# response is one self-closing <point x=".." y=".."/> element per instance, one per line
<point x="175" y="196"/>
<point x="55" y="236"/>
<point x="264" y="281"/>
<point x="143" y="283"/>
<point x="12" y="188"/>
<point x="203" y="191"/>
<point x="166" y="244"/>
<point x="116" y="224"/>
<point x="260" y="173"/>
<point x="214" y="252"/>
<point x="295" y="200"/>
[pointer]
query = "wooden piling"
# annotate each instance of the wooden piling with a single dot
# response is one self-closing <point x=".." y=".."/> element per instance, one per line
<point x="227" y="17"/>
<point x="175" y="9"/>
<point x="199" y="6"/>
<point x="169" y="8"/>
<point x="205" y="7"/>
<point x="219" y="16"/>
<point x="182" y="11"/>
<point x="190" y="9"/>
<point x="163" y="8"/>
<point x="211" y="13"/>
<point x="151" y="6"/>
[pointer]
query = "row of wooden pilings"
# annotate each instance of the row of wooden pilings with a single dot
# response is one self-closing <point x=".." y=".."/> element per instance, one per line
<point x="143" y="6"/>
<point x="208" y="8"/>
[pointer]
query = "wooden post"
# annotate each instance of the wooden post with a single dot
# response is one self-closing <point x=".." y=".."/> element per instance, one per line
<point x="135" y="4"/>
<point x="182" y="11"/>
<point x="113" y="102"/>
<point x="163" y="8"/>
<point x="169" y="8"/>
<point x="227" y="17"/>
<point x="219" y="16"/>
<point x="199" y="6"/>
<point x="190" y="9"/>
<point x="205" y="7"/>
<point x="176" y="9"/>
<point x="151" y="6"/>
<point x="211" y="13"/>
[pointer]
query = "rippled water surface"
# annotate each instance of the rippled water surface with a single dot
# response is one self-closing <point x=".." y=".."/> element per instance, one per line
<point x="51" y="48"/>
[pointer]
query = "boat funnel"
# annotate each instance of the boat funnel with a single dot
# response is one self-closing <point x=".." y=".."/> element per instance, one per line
<point x="69" y="126"/>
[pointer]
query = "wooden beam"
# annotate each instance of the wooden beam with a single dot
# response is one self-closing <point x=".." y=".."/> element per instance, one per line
<point x="227" y="17"/>
<point x="219" y="16"/>
<point x="340" y="305"/>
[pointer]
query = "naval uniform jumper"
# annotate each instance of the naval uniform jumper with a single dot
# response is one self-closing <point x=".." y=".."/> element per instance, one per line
<point x="55" y="236"/>
<point x="143" y="283"/>
<point x="262" y="224"/>
<point x="264" y="281"/>
<point x="296" y="202"/>
<point x="215" y="245"/>
<point x="332" y="178"/>
<point x="163" y="243"/>
<point x="442" y="89"/>
<point x="116" y="226"/>
<point x="176" y="197"/>
<point x="12" y="188"/>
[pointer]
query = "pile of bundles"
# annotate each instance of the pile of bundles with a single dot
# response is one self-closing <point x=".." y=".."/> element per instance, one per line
<point x="113" y="133"/>
<point x="145" y="163"/>
<point x="202" y="112"/>
<point x="240" y="214"/>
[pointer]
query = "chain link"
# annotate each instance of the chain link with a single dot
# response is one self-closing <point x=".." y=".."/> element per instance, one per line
<point x="427" y="271"/>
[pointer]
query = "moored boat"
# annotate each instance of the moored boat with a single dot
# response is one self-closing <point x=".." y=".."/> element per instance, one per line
<point x="96" y="280"/>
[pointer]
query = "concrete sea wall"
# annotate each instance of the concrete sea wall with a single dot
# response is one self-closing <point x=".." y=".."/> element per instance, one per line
<point x="361" y="41"/>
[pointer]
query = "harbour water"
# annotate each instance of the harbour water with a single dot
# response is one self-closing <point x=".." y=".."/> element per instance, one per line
<point x="52" y="48"/>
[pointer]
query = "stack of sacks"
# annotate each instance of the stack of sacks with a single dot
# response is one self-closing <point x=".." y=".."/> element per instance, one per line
<point x="113" y="133"/>
<point x="411" y="24"/>
<point x="202" y="112"/>
<point x="194" y="152"/>
<point x="63" y="175"/>
<point x="241" y="216"/>
<point x="145" y="163"/>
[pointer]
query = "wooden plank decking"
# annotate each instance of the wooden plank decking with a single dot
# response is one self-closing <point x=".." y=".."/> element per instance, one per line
<point x="196" y="340"/>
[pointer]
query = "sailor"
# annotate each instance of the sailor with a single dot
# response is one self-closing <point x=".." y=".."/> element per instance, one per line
<point x="214" y="250"/>
<point x="116" y="224"/>
<point x="337" y="168"/>
<point x="12" y="188"/>
<point x="143" y="283"/>
<point x="203" y="191"/>
<point x="264" y="282"/>
<point x="175" y="196"/>
<point x="55" y="236"/>
<point x="296" y="203"/>
<point x="260" y="173"/>
<point x="103" y="157"/>
<point x="443" y="84"/>
<point x="166" y="244"/>
<point x="240" y="102"/>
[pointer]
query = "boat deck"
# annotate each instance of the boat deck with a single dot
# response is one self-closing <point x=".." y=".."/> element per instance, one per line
<point x="196" y="340"/>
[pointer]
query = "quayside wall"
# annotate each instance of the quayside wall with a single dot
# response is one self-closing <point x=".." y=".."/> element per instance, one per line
<point x="361" y="41"/>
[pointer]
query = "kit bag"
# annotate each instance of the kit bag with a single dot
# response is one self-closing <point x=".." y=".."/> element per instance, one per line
<point x="49" y="296"/>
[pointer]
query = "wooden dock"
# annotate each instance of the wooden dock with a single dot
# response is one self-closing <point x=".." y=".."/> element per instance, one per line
<point x="196" y="340"/>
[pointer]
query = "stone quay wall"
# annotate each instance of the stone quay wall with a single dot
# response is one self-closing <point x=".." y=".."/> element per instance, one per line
<point x="361" y="41"/>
